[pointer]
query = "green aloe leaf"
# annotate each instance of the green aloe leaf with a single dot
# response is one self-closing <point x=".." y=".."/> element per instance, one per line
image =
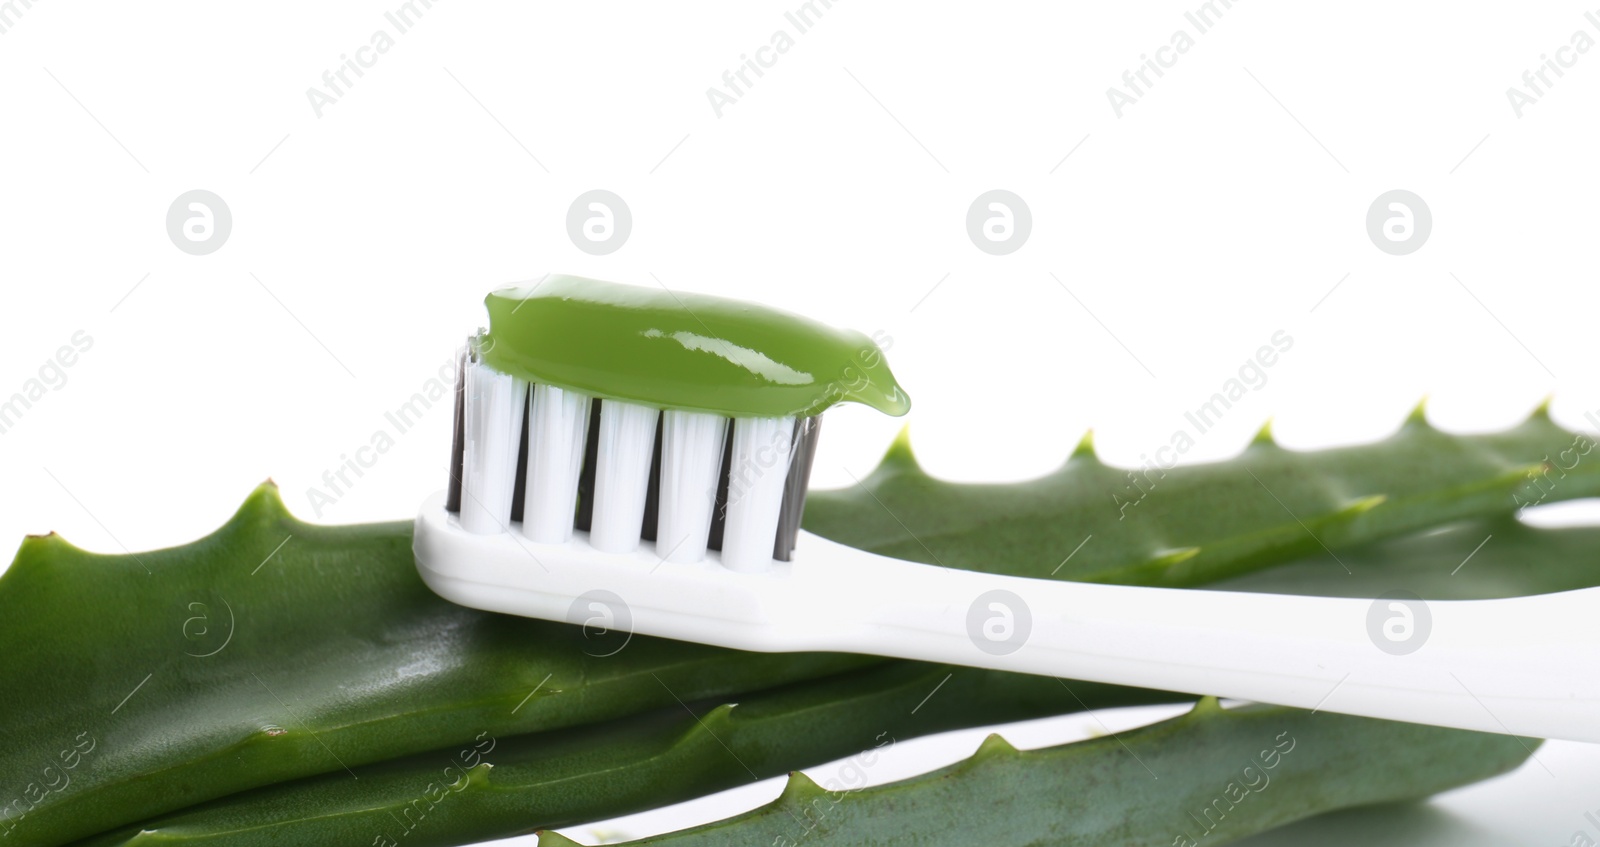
<point x="503" y="787"/>
<point x="274" y="650"/>
<point x="1206" y="777"/>
<point x="807" y="723"/>
<point x="1195" y="524"/>
<point x="1478" y="560"/>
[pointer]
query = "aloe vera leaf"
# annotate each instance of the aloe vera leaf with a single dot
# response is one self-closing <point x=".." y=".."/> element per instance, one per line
<point x="314" y="809"/>
<point x="1200" y="523"/>
<point x="1477" y="560"/>
<point x="568" y="776"/>
<point x="275" y="649"/>
<point x="1206" y="777"/>
<point x="340" y="656"/>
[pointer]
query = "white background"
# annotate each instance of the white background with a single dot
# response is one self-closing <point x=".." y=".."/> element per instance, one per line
<point x="1227" y="203"/>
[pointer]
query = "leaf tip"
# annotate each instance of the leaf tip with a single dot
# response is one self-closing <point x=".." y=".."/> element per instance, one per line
<point x="718" y="717"/>
<point x="1085" y="448"/>
<point x="800" y="787"/>
<point x="899" y="454"/>
<point x="993" y="747"/>
<point x="34" y="545"/>
<point x="1542" y="411"/>
<point x="551" y="838"/>
<point x="1419" y="414"/>
<point x="1264" y="436"/>
<point x="265" y="503"/>
<point x="51" y="537"/>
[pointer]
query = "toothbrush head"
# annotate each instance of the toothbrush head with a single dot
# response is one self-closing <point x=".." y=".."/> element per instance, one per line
<point x="623" y="419"/>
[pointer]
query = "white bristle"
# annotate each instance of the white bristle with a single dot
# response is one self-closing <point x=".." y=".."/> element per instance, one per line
<point x="556" y="432"/>
<point x="491" y="430"/>
<point x="622" y="474"/>
<point x="691" y="459"/>
<point x="759" y="464"/>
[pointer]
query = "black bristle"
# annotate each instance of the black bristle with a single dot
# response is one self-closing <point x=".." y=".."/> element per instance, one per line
<point x="801" y="456"/>
<point x="591" y="452"/>
<point x="452" y="497"/>
<point x="519" y="490"/>
<point x="719" y="510"/>
<point x="652" y="498"/>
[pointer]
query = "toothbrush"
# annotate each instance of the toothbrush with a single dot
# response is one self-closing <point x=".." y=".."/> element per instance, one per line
<point x="634" y="459"/>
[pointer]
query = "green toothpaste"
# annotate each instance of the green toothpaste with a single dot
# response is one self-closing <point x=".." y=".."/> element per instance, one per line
<point x="659" y="348"/>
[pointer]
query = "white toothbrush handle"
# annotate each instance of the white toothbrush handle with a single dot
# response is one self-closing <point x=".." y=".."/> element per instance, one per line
<point x="1524" y="666"/>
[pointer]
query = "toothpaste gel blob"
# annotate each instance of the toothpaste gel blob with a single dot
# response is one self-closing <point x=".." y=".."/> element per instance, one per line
<point x="682" y="351"/>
